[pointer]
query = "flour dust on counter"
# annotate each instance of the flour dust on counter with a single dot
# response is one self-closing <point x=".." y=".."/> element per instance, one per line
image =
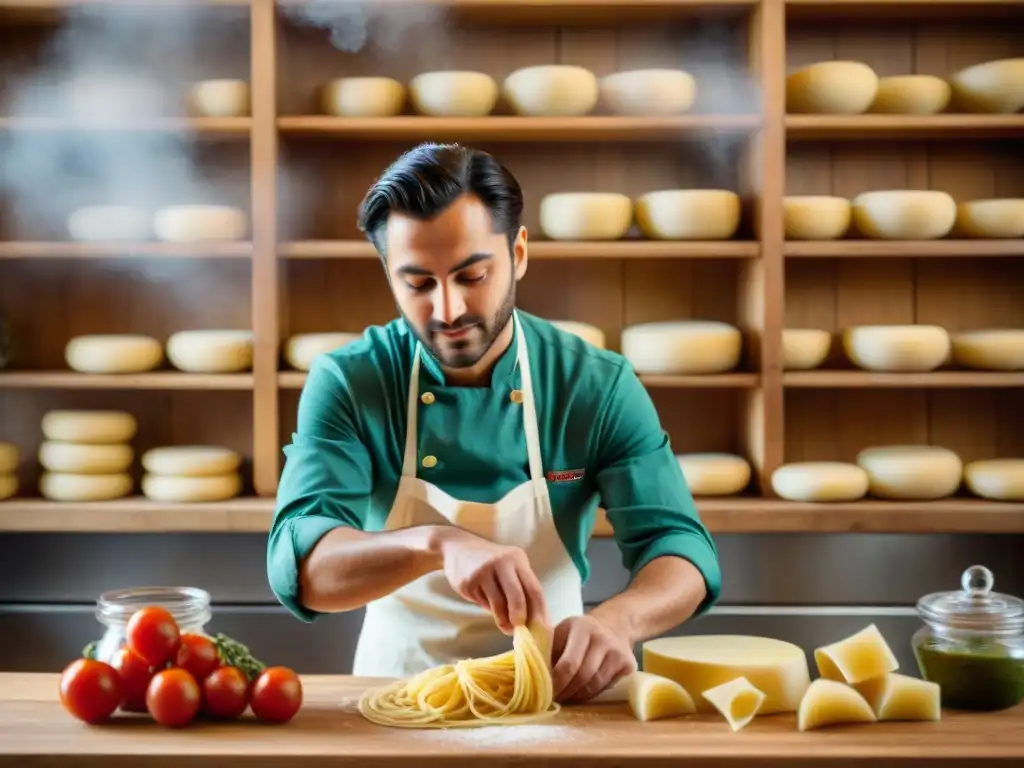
<point x="497" y="735"/>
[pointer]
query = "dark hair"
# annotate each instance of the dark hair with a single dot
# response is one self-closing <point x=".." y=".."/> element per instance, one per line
<point x="427" y="179"/>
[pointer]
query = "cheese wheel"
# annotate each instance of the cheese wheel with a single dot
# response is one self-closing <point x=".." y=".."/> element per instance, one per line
<point x="714" y="474"/>
<point x="454" y="93"/>
<point x="300" y="350"/>
<point x="992" y="87"/>
<point x="688" y="214"/>
<point x="996" y="479"/>
<point x="58" y="486"/>
<point x="648" y="92"/>
<point x="992" y="349"/>
<point x="109" y="223"/>
<point x="854" y="659"/>
<point x="996" y="219"/>
<point x="683" y="347"/>
<point x="830" y="703"/>
<point x="551" y="90"/>
<point x="900" y="697"/>
<point x="737" y="700"/>
<point x="10" y="456"/>
<point x="86" y="459"/>
<point x="178" y="490"/>
<point x="8" y="486"/>
<point x="113" y="353"/>
<point x="820" y="481"/>
<point x="363" y="97"/>
<point x="589" y="333"/>
<point x="897" y="348"/>
<point x="919" y="472"/>
<point x="904" y="214"/>
<point x="804" y="348"/>
<point x="211" y="351"/>
<point x="219" y="98"/>
<point x="702" y="662"/>
<point x="199" y="223"/>
<point x="831" y="87"/>
<point x="911" y="95"/>
<point x="191" y="461"/>
<point x="586" y="215"/>
<point x="89" y="427"/>
<point x="816" y="217"/>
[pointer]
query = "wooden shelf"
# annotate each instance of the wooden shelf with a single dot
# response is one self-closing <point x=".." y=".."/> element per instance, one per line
<point x="165" y="380"/>
<point x="615" y="249"/>
<point x="862" y="127"/>
<point x="136" y="515"/>
<point x="966" y="515"/>
<point x="572" y="12"/>
<point x="874" y="9"/>
<point x="189" y="126"/>
<point x="67" y="4"/>
<point x="737" y="516"/>
<point x="297" y="380"/>
<point x="70" y="250"/>
<point x="517" y="129"/>
<point x="724" y="380"/>
<point x="935" y="380"/>
<point x="873" y="249"/>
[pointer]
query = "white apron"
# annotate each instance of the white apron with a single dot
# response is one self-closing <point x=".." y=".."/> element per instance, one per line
<point x="426" y="623"/>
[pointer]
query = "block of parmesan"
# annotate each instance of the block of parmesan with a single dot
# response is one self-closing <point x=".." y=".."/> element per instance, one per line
<point x="701" y="662"/>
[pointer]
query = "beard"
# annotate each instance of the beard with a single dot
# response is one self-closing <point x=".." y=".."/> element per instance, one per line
<point x="465" y="352"/>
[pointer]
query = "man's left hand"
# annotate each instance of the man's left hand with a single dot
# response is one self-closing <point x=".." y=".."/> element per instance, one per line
<point x="587" y="658"/>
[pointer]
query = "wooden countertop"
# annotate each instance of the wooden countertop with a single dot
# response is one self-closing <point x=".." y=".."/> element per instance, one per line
<point x="36" y="731"/>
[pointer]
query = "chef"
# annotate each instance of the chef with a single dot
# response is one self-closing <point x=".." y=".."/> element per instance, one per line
<point x="446" y="467"/>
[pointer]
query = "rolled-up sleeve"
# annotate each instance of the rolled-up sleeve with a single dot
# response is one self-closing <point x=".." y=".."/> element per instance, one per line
<point x="326" y="482"/>
<point x="643" y="489"/>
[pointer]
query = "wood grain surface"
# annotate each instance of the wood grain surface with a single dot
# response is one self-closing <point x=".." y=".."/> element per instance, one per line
<point x="35" y="731"/>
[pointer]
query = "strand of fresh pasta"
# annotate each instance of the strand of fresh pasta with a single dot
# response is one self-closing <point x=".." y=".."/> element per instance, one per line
<point x="511" y="688"/>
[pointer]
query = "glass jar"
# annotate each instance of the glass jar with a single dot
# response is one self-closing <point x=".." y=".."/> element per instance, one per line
<point x="189" y="606"/>
<point x="972" y="644"/>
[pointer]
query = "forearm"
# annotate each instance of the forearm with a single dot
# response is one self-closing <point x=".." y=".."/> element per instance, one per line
<point x="665" y="593"/>
<point x="349" y="568"/>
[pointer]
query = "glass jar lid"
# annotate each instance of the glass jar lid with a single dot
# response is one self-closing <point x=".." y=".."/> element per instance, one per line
<point x="975" y="607"/>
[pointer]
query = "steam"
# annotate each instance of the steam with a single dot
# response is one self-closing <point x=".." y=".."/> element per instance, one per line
<point x="385" y="26"/>
<point x="104" y="70"/>
<point x="725" y="86"/>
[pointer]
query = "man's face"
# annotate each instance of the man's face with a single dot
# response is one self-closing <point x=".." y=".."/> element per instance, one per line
<point x="453" y="279"/>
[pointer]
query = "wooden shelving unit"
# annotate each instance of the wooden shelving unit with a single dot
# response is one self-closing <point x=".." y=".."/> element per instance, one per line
<point x="305" y="268"/>
<point x="253" y="515"/>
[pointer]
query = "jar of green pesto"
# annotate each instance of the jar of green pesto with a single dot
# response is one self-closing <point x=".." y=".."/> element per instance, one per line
<point x="972" y="644"/>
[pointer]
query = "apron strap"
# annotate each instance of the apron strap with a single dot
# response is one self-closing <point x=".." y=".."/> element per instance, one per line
<point x="529" y="409"/>
<point x="412" y="412"/>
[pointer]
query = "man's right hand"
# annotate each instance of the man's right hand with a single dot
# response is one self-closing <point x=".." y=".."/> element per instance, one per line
<point x="496" y="577"/>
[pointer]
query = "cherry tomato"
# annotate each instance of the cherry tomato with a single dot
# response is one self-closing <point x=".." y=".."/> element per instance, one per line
<point x="198" y="655"/>
<point x="90" y="690"/>
<point x="153" y="634"/>
<point x="173" y="697"/>
<point x="225" y="693"/>
<point x="276" y="695"/>
<point x="135" y="676"/>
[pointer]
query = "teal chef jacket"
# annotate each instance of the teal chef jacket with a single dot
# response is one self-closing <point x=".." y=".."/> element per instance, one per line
<point x="601" y="442"/>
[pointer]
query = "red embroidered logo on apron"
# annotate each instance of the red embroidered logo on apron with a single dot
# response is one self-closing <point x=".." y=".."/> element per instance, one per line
<point x="566" y="476"/>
